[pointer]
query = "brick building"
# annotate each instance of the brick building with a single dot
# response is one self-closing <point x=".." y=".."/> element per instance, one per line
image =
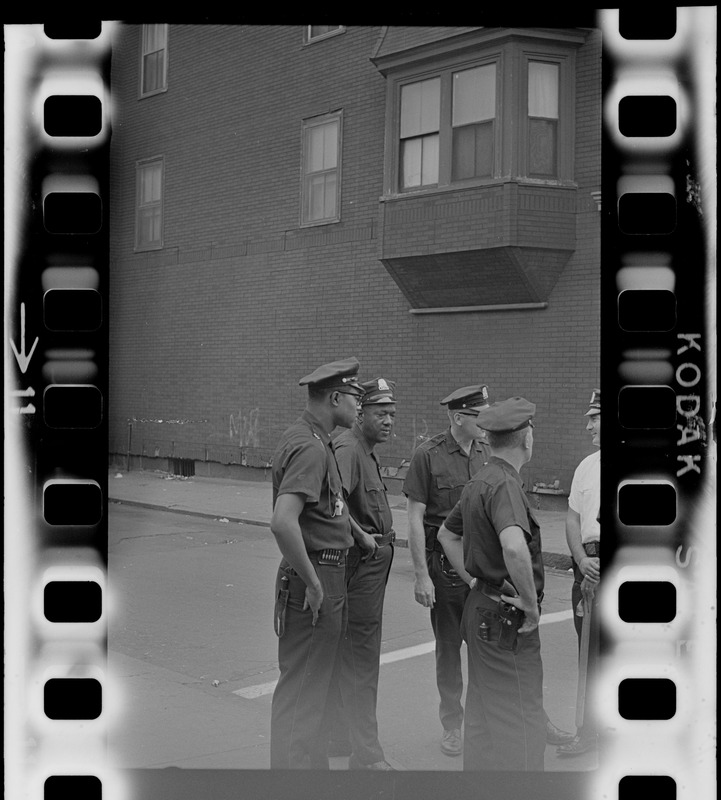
<point x="426" y="199"/>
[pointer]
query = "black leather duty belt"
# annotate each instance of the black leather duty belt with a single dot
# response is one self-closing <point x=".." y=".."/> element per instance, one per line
<point x="493" y="592"/>
<point x="328" y="556"/>
<point x="384" y="538"/>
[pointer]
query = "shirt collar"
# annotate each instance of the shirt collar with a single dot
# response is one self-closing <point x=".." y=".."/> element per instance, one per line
<point x="358" y="433"/>
<point x="507" y="467"/>
<point x="316" y="426"/>
<point x="452" y="444"/>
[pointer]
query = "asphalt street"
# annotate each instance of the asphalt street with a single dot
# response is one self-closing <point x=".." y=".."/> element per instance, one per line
<point x="193" y="654"/>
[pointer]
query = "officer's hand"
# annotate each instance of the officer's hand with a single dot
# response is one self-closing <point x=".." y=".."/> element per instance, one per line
<point x="368" y="545"/>
<point x="532" y="614"/>
<point x="425" y="591"/>
<point x="590" y="568"/>
<point x="313" y="600"/>
<point x="588" y="589"/>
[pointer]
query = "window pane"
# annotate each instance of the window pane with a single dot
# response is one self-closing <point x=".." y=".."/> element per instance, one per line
<point x="314" y="153"/>
<point x="149" y="226"/>
<point x="153" y="71"/>
<point x="320" y="30"/>
<point x="542" y="90"/>
<point x="419" y="161"/>
<point x="472" y="151"/>
<point x="150" y="183"/>
<point x="322" y="147"/>
<point x="542" y="134"/>
<point x="430" y="160"/>
<point x="331" y="181"/>
<point x="420" y="107"/>
<point x="411" y="163"/>
<point x="153" y="37"/>
<point x="474" y="95"/>
<point x="330" y="145"/>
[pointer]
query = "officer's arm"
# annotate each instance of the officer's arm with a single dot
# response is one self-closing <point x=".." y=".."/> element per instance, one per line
<point x="364" y="540"/>
<point x="285" y="527"/>
<point x="453" y="548"/>
<point x="518" y="563"/>
<point x="423" y="589"/>
<point x="589" y="566"/>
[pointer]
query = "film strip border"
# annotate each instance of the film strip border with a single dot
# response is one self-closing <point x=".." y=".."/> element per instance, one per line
<point x="60" y="701"/>
<point x="655" y="693"/>
<point x="654" y="696"/>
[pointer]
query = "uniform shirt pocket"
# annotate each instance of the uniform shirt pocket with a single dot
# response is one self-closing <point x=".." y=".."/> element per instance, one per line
<point x="375" y="496"/>
<point x="449" y="490"/>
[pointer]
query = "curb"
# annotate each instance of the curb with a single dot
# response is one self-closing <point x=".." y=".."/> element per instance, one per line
<point x="555" y="561"/>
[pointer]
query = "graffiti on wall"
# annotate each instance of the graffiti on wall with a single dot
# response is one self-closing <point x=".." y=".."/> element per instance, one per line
<point x="419" y="427"/>
<point x="244" y="429"/>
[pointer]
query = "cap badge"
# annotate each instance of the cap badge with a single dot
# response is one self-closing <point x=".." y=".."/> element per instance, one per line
<point x="382" y="385"/>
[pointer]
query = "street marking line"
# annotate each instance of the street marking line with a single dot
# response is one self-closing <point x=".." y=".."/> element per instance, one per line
<point x="260" y="689"/>
<point x="251" y="692"/>
<point x="557" y="616"/>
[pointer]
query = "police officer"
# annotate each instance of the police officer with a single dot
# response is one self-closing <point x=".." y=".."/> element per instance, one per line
<point x="439" y="469"/>
<point x="583" y="535"/>
<point x="367" y="568"/>
<point x="311" y="525"/>
<point x="493" y="540"/>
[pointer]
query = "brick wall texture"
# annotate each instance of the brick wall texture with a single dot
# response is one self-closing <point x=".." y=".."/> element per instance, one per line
<point x="210" y="334"/>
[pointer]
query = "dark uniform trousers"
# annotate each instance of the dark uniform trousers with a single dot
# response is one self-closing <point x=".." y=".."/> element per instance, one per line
<point x="352" y="708"/>
<point x="505" y="724"/>
<point x="307" y="658"/>
<point x="446" y="614"/>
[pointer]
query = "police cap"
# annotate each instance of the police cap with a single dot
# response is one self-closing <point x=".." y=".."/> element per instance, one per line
<point x="341" y="375"/>
<point x="473" y="397"/>
<point x="506" y="416"/>
<point x="594" y="406"/>
<point x="379" y="390"/>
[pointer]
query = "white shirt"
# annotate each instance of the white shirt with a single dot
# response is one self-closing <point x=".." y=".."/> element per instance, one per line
<point x="585" y="496"/>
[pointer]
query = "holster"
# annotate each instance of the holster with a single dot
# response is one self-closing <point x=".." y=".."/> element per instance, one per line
<point x="501" y="623"/>
<point x="281" y="604"/>
<point x="511" y="619"/>
<point x="432" y="542"/>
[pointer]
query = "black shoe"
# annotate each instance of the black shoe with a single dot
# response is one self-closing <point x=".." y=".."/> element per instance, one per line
<point x="577" y="747"/>
<point x="555" y="735"/>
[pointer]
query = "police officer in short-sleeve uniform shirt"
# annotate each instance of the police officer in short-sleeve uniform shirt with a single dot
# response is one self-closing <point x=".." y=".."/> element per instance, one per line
<point x="439" y="469"/>
<point x="500" y="554"/>
<point x="367" y="569"/>
<point x="312" y="528"/>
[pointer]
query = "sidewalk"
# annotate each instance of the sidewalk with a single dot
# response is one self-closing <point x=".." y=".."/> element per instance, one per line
<point x="250" y="502"/>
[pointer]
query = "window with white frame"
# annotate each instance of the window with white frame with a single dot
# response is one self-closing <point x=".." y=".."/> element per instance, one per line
<point x="154" y="59"/>
<point x="149" y="204"/>
<point x="472" y="118"/>
<point x="480" y="119"/>
<point x="542" y="119"/>
<point x="321" y="169"/>
<point x="420" y="133"/>
<point x="315" y="32"/>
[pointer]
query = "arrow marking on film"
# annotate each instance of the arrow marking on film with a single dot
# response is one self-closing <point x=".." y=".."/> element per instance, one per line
<point x="22" y="359"/>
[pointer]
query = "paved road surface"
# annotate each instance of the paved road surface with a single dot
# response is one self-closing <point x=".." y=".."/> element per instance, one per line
<point x="193" y="651"/>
